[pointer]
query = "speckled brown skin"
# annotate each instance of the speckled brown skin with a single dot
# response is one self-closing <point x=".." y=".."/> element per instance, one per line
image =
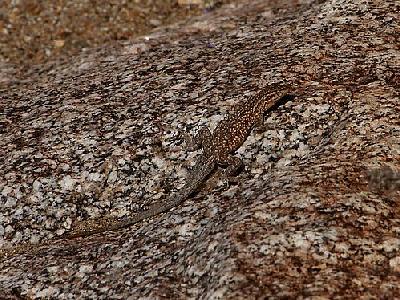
<point x="232" y="131"/>
<point x="218" y="148"/>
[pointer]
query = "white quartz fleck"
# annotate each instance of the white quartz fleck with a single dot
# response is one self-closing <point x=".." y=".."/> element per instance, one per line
<point x="67" y="183"/>
<point x="11" y="202"/>
<point x="86" y="268"/>
<point x="6" y="190"/>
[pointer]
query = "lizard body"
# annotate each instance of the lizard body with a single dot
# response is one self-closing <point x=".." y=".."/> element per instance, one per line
<point x="218" y="148"/>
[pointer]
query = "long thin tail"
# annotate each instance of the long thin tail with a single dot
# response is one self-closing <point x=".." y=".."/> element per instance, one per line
<point x="201" y="171"/>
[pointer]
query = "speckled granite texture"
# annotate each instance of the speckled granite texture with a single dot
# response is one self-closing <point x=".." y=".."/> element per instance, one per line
<point x="315" y="213"/>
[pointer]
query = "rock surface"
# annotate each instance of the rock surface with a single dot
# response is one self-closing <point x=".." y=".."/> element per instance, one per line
<point x="315" y="213"/>
<point x="32" y="32"/>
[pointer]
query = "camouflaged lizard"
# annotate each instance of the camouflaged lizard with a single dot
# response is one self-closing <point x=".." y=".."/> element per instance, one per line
<point x="218" y="149"/>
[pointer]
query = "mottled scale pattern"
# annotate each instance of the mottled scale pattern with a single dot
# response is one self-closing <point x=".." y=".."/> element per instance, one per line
<point x="232" y="131"/>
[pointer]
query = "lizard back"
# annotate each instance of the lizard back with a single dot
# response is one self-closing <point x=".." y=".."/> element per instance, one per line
<point x="233" y="130"/>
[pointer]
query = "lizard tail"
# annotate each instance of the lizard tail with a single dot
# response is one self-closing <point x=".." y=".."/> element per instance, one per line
<point x="201" y="171"/>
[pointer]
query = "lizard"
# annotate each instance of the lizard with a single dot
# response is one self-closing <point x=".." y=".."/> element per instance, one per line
<point x="218" y="148"/>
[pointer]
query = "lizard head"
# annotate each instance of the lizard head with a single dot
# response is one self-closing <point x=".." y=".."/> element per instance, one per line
<point x="271" y="97"/>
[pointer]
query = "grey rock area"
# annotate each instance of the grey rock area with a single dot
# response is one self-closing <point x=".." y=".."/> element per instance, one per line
<point x="315" y="212"/>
